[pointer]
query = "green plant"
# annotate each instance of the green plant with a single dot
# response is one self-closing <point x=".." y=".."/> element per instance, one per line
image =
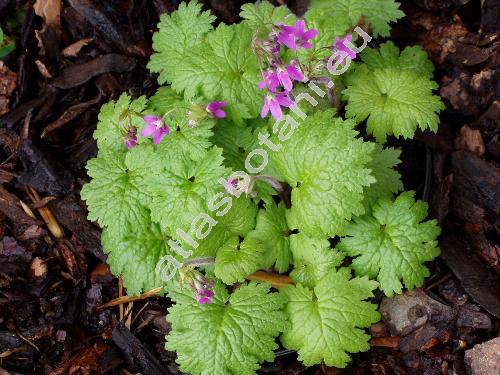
<point x="221" y="192"/>
<point x="6" y="46"/>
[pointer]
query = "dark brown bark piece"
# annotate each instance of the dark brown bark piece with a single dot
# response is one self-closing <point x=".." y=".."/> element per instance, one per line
<point x="9" y="205"/>
<point x="137" y="356"/>
<point x="479" y="282"/>
<point x="43" y="173"/>
<point x="71" y="215"/>
<point x="78" y="74"/>
<point x="70" y="114"/>
<point x="108" y="28"/>
<point x="476" y="190"/>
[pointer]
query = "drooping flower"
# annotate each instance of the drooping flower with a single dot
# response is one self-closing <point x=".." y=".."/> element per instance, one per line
<point x="205" y="296"/>
<point x="214" y="109"/>
<point x="296" y="36"/>
<point x="273" y="102"/>
<point x="236" y="186"/>
<point x="130" y="138"/>
<point x="340" y="45"/>
<point x="231" y="183"/>
<point x="155" y="127"/>
<point x="201" y="286"/>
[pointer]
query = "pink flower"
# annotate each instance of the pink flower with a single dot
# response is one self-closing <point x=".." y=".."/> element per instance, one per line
<point x="156" y="127"/>
<point x="282" y="76"/>
<point x="288" y="74"/>
<point x="230" y="184"/>
<point x="130" y="139"/>
<point x="273" y="102"/>
<point x="340" y="46"/>
<point x="205" y="296"/>
<point x="214" y="108"/>
<point x="202" y="288"/>
<point x="296" y="36"/>
<point x="270" y="80"/>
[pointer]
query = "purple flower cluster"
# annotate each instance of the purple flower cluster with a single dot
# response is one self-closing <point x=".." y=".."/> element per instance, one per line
<point x="279" y="77"/>
<point x="158" y="128"/>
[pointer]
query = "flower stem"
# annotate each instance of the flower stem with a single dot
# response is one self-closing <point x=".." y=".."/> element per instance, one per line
<point x="197" y="262"/>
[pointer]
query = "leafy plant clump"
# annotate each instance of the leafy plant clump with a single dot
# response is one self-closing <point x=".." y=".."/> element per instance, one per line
<point x="243" y="167"/>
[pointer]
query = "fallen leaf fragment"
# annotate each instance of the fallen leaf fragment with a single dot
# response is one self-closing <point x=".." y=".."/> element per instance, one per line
<point x="73" y="49"/>
<point x="50" y="11"/>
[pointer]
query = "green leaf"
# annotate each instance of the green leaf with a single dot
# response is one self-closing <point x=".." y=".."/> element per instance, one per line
<point x="394" y="95"/>
<point x="134" y="255"/>
<point x="388" y="179"/>
<point x="166" y="99"/>
<point x="326" y="166"/>
<point x="235" y="260"/>
<point x="6" y="46"/>
<point x="114" y="118"/>
<point x="182" y="190"/>
<point x="237" y="222"/>
<point x="236" y="142"/>
<point x="313" y="259"/>
<point x="347" y="13"/>
<point x="388" y="56"/>
<point x="393" y="243"/>
<point x="272" y="230"/>
<point x="223" y="67"/>
<point x="231" y="336"/>
<point x="179" y="33"/>
<point x="320" y="18"/>
<point x="327" y="321"/>
<point x="185" y="141"/>
<point x="264" y="15"/>
<point x="114" y="196"/>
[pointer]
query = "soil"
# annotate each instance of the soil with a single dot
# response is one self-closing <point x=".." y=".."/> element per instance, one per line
<point x="73" y="56"/>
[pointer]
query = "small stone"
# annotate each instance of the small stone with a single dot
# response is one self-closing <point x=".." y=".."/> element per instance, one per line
<point x="470" y="140"/>
<point x="61" y="335"/>
<point x="406" y="312"/>
<point x="470" y="316"/>
<point x="38" y="269"/>
<point x="484" y="359"/>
